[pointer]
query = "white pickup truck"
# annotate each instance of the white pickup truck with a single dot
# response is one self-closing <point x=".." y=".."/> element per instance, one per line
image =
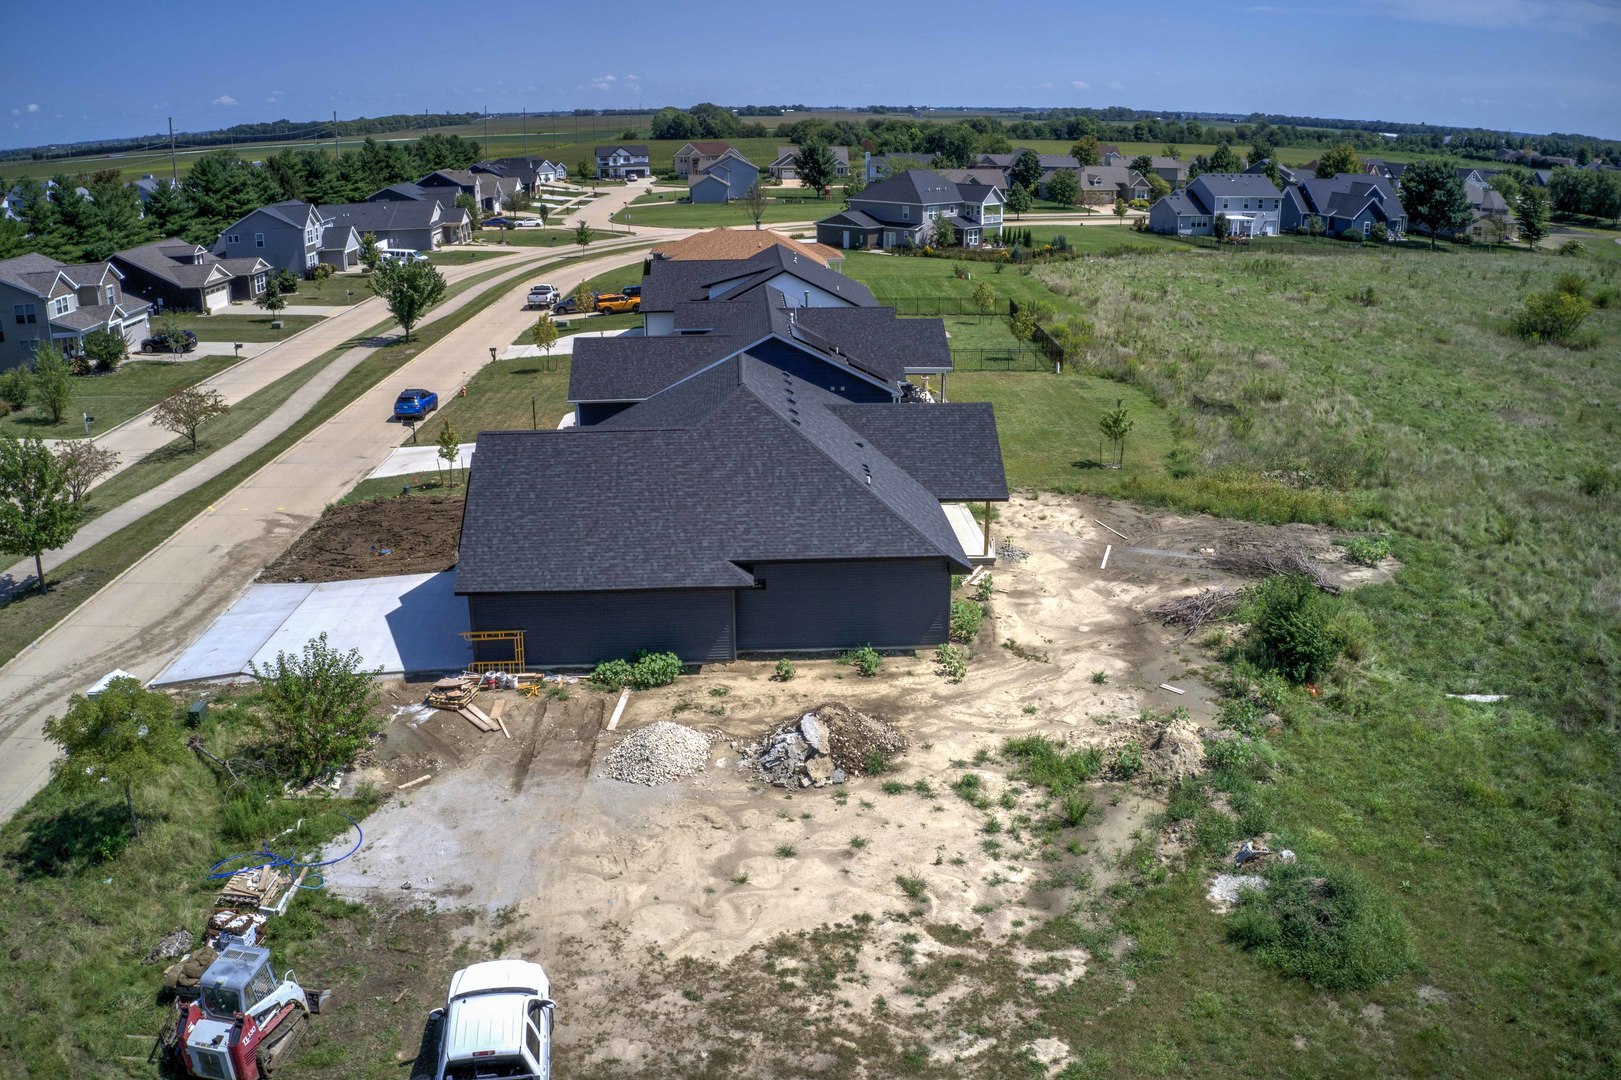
<point x="497" y="1022"/>
<point x="542" y="295"/>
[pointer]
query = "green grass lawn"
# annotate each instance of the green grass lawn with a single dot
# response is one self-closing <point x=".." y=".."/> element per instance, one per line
<point x="340" y="289"/>
<point x="247" y="327"/>
<point x="709" y="215"/>
<point x="135" y="387"/>
<point x="1098" y="238"/>
<point x="410" y="485"/>
<point x="463" y="256"/>
<point x="908" y="280"/>
<point x="505" y="395"/>
<point x="498" y="239"/>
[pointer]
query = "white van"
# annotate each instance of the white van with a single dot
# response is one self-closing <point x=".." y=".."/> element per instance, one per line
<point x="403" y="255"/>
<point x="497" y="1022"/>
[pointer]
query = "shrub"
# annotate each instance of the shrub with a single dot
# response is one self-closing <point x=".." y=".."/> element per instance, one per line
<point x="650" y="669"/>
<point x="107" y="348"/>
<point x="1379" y="232"/>
<point x="1044" y="762"/>
<point x="952" y="661"/>
<point x="318" y="708"/>
<point x="982" y="591"/>
<point x="1365" y="296"/>
<point x="286" y="280"/>
<point x="1243" y="716"/>
<point x="17" y="386"/>
<point x="1353" y="235"/>
<point x="321" y="271"/>
<point x="1074" y="808"/>
<point x="611" y="674"/>
<point x="1253" y="757"/>
<point x="1599" y="481"/>
<point x="1127" y="763"/>
<point x="1554" y="317"/>
<point x="1291" y="627"/>
<point x="966" y="619"/>
<point x="1570" y="285"/>
<point x="785" y="670"/>
<point x="1325" y="925"/>
<point x="1573" y="247"/>
<point x="1367" y="550"/>
<point x="865" y="659"/>
<point x="913" y="887"/>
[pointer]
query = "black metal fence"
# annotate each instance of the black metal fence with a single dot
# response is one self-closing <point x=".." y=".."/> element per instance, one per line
<point x="942" y="305"/>
<point x="1017" y="358"/>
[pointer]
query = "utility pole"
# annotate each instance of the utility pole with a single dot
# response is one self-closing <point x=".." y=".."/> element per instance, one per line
<point x="486" y="133"/>
<point x="174" y="167"/>
<point x="526" y="133"/>
<point x="337" y="147"/>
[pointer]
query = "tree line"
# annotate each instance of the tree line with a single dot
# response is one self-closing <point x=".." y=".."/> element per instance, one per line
<point x="60" y="220"/>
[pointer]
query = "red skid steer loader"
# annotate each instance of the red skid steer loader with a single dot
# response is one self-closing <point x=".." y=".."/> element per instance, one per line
<point x="244" y="1023"/>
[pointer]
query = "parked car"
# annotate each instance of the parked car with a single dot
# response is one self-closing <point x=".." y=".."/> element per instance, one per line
<point x="542" y="295"/>
<point x="567" y="306"/>
<point x="495" y="223"/>
<point x="497" y="1021"/>
<point x="415" y="404"/>
<point x="631" y="290"/>
<point x="617" y="304"/>
<point x="402" y="255"/>
<point x="529" y="223"/>
<point x="160" y="342"/>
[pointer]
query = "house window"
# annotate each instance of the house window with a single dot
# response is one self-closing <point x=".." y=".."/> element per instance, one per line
<point x="112" y="295"/>
<point x="1367" y="227"/>
<point x="233" y="238"/>
<point x="259" y="239"/>
<point x="906" y="213"/>
<point x="25" y="314"/>
<point x="59" y="307"/>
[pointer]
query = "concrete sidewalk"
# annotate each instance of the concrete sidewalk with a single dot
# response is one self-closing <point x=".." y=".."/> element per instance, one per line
<point x="146" y="617"/>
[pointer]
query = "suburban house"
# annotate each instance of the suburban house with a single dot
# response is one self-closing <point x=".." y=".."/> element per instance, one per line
<point x="1345" y="203"/>
<point x="695" y="157"/>
<point x="456" y="225"/>
<point x="1169" y="169"/>
<point x="529" y="172"/>
<point x="1486" y="203"/>
<point x="408" y="224"/>
<point x="802" y="280"/>
<point x="148" y="186"/>
<point x="782" y="166"/>
<point x="486" y="189"/>
<point x="741" y="509"/>
<point x="881" y="166"/>
<point x="290" y="236"/>
<point x="623" y="162"/>
<point x="43" y="299"/>
<point x="1050" y="164"/>
<point x="739" y="244"/>
<point x="1102" y="185"/>
<point x="175" y="275"/>
<point x="726" y="179"/>
<point x="1387" y="170"/>
<point x="905" y="210"/>
<point x="1252" y="206"/>
<point x="1286" y="174"/>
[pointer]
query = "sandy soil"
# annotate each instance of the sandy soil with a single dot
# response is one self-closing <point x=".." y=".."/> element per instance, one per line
<point x="418" y="535"/>
<point x="587" y="874"/>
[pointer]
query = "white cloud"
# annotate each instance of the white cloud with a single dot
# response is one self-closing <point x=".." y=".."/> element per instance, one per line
<point x="604" y="82"/>
<point x="1044" y="86"/>
<point x="1114" y="86"/>
<point x="631" y="78"/>
<point x="1569" y="16"/>
<point x="1079" y="85"/>
<point x="224" y="99"/>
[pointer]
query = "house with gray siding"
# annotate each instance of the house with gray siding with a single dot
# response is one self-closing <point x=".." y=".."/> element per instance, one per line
<point x="1252" y="206"/>
<point x="905" y="210"/>
<point x="624" y="161"/>
<point x="408" y="224"/>
<point x="726" y="179"/>
<point x="799" y="279"/>
<point x="287" y="235"/>
<point x="741" y="510"/>
<point x="1344" y="203"/>
<point x="175" y="275"/>
<point x="695" y="157"/>
<point x="42" y="299"/>
<point x="783" y="165"/>
<point x="485" y="188"/>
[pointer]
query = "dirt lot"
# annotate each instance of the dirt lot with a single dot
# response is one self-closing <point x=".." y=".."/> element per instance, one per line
<point x="695" y="928"/>
<point x="374" y="539"/>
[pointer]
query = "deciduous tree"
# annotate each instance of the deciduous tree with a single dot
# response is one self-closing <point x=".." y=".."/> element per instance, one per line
<point x="185" y="411"/>
<point x="1019" y="200"/>
<point x="1531" y="213"/>
<point x="1341" y="159"/>
<point x="36" y="509"/>
<point x="1085" y="151"/>
<point x="544" y="333"/>
<point x="53" y="380"/>
<point x="409" y="289"/>
<point x="450" y="445"/>
<point x="1026" y="171"/>
<point x="272" y="299"/>
<point x="582" y="234"/>
<point x="370" y="252"/>
<point x="123" y="736"/>
<point x="1434" y="197"/>
<point x="1114" y="426"/>
<point x="107" y="348"/>
<point x="754" y="204"/>
<point x="815" y="165"/>
<point x="83" y="462"/>
<point x="318" y="709"/>
<point x="1063" y="187"/>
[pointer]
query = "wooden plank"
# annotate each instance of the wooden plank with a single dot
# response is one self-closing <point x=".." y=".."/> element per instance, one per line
<point x="414" y="783"/>
<point x="503" y="724"/>
<point x="619" y="710"/>
<point x="1172" y="689"/>
<point x="1117" y="532"/>
<point x="480" y="721"/>
<point x="496" y="707"/>
<point x="1107" y="548"/>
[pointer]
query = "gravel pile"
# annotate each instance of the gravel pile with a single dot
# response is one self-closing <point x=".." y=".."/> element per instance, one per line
<point x="658" y="753"/>
<point x="1013" y="553"/>
<point x="822" y="747"/>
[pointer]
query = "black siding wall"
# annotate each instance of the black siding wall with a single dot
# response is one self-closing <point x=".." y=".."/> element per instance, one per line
<point x="888" y="604"/>
<point x="588" y="413"/>
<point x="820" y="373"/>
<point x="584" y="628"/>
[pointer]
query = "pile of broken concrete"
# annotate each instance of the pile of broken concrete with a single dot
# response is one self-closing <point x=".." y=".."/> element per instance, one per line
<point x="826" y="746"/>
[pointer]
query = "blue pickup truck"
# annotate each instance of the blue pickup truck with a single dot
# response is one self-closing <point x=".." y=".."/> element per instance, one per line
<point x="415" y="404"/>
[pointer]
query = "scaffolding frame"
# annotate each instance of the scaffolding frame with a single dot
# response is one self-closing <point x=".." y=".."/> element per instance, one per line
<point x="513" y="666"/>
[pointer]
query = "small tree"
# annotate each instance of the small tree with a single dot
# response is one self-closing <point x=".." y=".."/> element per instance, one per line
<point x="1026" y="171"/>
<point x="1315" y="225"/>
<point x="188" y="409"/>
<point x="1120" y="209"/>
<point x="1341" y="159"/>
<point x="450" y="445"/>
<point x="1496" y="230"/>
<point x="582" y="235"/>
<point x="1063" y="187"/>
<point x="53" y="380"/>
<point x="36" y="509"/>
<point x="318" y="709"/>
<point x="409" y="289"/>
<point x="544" y="333"/>
<point x="1531" y="211"/>
<point x="1114" y="426"/>
<point x="469" y="205"/>
<point x="1434" y="197"/>
<point x="584" y="296"/>
<point x="815" y="165"/>
<point x="17" y="386"/>
<point x="1019" y="200"/>
<point x="83" y="463"/>
<point x="945" y="233"/>
<point x="984" y="298"/>
<point x="370" y="252"/>
<point x="107" y="348"/>
<point x="754" y="204"/>
<point x="544" y="212"/>
<point x="272" y="299"/>
<point x="172" y="329"/>
<point x="123" y="736"/>
<point x="1085" y="151"/>
<point x="1221" y="228"/>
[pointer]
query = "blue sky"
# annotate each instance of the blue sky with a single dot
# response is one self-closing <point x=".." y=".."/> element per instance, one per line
<point x="1529" y="65"/>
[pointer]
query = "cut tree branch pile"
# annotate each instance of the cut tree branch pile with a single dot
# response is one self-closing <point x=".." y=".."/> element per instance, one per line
<point x="1263" y="562"/>
<point x="1192" y="612"/>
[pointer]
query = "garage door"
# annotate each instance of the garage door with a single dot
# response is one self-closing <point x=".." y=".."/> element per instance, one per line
<point x="218" y="297"/>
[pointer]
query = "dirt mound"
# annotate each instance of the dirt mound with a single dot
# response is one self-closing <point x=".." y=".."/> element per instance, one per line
<point x="1174" y="752"/>
<point x="823" y="746"/>
<point x="374" y="539"/>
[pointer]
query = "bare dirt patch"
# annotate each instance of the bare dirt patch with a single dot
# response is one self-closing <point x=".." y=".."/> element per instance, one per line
<point x="374" y="539"/>
<point x="687" y="926"/>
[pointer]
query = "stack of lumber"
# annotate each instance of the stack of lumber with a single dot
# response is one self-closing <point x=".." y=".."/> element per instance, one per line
<point x="262" y="888"/>
<point x="452" y="694"/>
